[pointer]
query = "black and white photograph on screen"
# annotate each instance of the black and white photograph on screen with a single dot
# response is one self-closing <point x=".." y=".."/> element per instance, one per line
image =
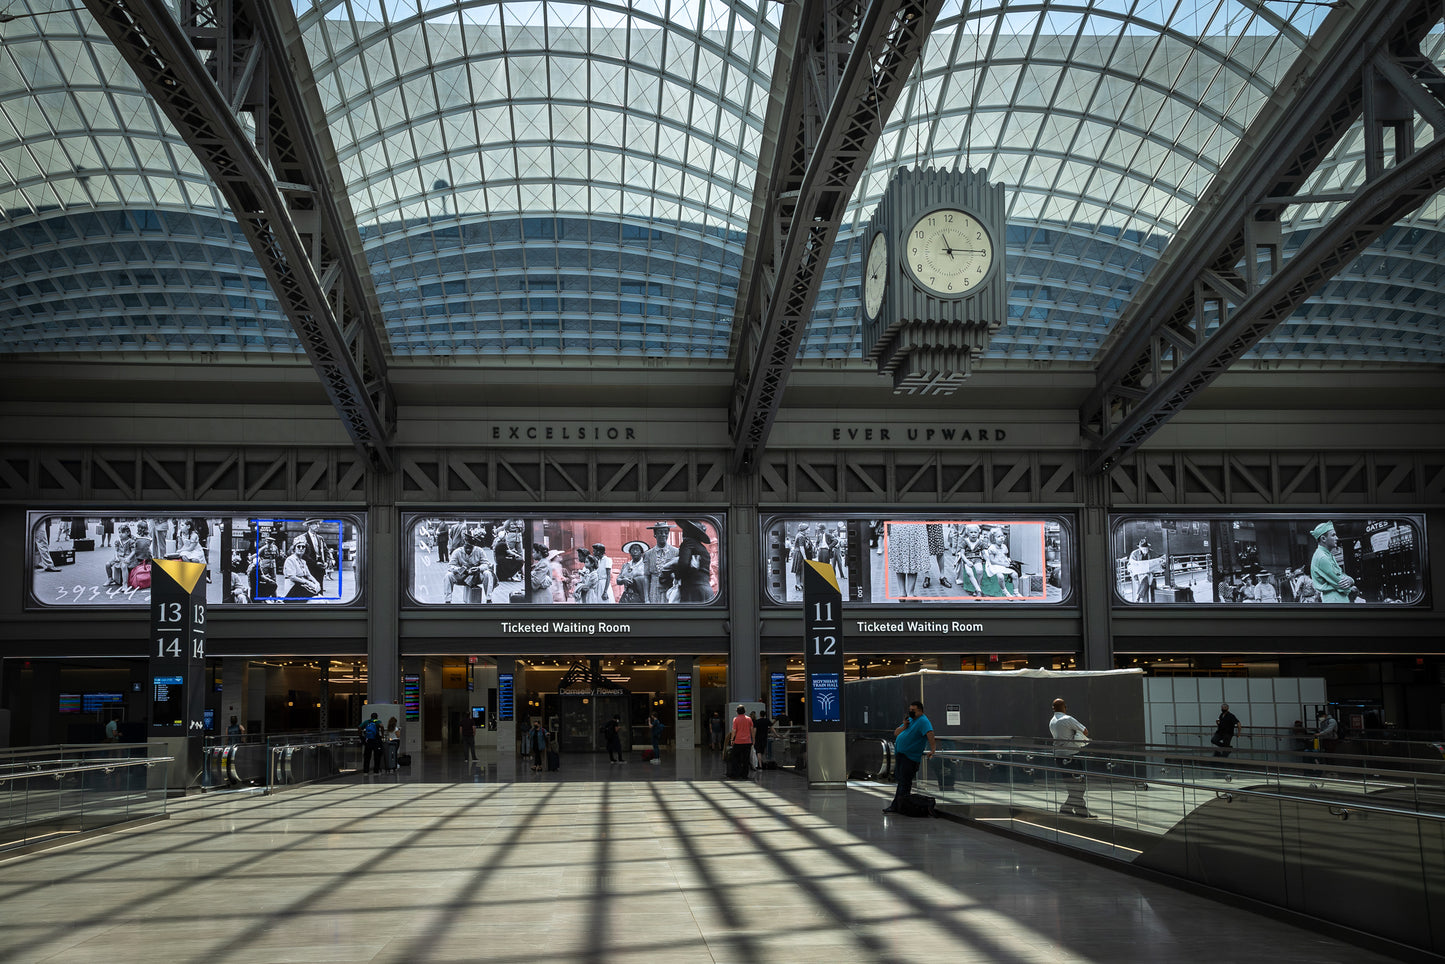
<point x="968" y="561"/>
<point x="1268" y="560"/>
<point x="801" y="541"/>
<point x="638" y="562"/>
<point x="476" y="560"/>
<point x="105" y="559"/>
<point x="944" y="560"/>
<point x="470" y="560"/>
<point x="1163" y="561"/>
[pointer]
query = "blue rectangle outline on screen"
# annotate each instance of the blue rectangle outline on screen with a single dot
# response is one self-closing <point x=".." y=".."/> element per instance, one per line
<point x="340" y="534"/>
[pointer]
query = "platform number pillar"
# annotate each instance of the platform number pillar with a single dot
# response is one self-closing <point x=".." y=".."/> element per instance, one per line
<point x="823" y="667"/>
<point x="178" y="663"/>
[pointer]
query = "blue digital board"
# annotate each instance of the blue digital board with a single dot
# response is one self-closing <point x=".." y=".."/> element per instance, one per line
<point x="505" y="708"/>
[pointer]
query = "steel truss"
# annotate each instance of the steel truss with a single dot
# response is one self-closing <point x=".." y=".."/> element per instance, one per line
<point x="279" y="174"/>
<point x="843" y="76"/>
<point x="1267" y="479"/>
<point x="168" y="474"/>
<point x="334" y="476"/>
<point x="1211" y="302"/>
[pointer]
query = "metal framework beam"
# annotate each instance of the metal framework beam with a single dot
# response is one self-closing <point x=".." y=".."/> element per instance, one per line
<point x="280" y="178"/>
<point x="1209" y="302"/>
<point x="844" y="76"/>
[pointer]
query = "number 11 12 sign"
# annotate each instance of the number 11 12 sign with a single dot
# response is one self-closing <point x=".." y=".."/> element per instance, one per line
<point x="823" y="647"/>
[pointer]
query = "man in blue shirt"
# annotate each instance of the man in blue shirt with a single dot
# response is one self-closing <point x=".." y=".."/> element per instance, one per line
<point x="908" y="741"/>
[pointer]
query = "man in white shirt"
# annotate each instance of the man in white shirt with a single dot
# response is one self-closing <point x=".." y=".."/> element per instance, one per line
<point x="1070" y="736"/>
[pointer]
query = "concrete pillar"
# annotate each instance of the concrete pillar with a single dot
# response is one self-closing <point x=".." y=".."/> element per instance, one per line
<point x="745" y="624"/>
<point x="383" y="590"/>
<point x="233" y="692"/>
<point x="1096" y="576"/>
<point x="254" y="687"/>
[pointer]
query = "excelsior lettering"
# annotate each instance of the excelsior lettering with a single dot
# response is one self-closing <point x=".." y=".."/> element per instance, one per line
<point x="564" y="433"/>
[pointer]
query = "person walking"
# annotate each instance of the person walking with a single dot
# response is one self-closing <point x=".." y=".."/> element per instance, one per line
<point x="909" y="738"/>
<point x="740" y="744"/>
<point x="715" y="731"/>
<point x="537" y="744"/>
<point x="761" y="739"/>
<point x="1070" y="736"/>
<point x="391" y="739"/>
<point x="468" y="737"/>
<point x="371" y="734"/>
<point x="612" y="734"/>
<point x="656" y="729"/>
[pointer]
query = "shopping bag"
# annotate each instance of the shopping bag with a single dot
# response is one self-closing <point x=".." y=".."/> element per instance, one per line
<point x="140" y="576"/>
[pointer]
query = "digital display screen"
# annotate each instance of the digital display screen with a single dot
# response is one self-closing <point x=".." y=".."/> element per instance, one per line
<point x="94" y="702"/>
<point x="209" y="716"/>
<point x="103" y="559"/>
<point x="778" y="694"/>
<point x="1269" y="560"/>
<point x="168" y="707"/>
<point x="955" y="559"/>
<point x="70" y="702"/>
<point x="601" y="560"/>
<point x="411" y="698"/>
<point x="826" y="692"/>
<point x="505" y="710"/>
<point x="684" y="696"/>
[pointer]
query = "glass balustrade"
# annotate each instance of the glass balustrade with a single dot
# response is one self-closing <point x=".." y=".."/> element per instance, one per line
<point x="53" y="793"/>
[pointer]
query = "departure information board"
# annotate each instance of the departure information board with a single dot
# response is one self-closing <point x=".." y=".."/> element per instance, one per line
<point x="684" y="696"/>
<point x="506" y="709"/>
<point x="778" y="694"/>
<point x="411" y="697"/>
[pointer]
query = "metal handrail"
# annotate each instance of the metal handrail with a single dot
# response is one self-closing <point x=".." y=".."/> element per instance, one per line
<point x="85" y="768"/>
<point x="1150" y="753"/>
<point x="1236" y="791"/>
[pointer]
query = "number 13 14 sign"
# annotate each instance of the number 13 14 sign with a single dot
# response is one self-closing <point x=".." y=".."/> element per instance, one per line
<point x="823" y="647"/>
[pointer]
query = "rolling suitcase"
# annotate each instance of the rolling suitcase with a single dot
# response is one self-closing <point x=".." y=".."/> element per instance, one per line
<point x="554" y="761"/>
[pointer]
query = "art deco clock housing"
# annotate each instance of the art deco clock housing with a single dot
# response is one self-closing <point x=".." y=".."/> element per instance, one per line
<point x="934" y="287"/>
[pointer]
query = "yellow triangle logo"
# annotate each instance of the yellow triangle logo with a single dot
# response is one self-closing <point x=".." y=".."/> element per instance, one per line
<point x="187" y="574"/>
<point x="825" y="569"/>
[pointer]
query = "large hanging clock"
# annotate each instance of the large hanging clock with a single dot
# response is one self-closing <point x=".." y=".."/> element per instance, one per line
<point x="949" y="252"/>
<point x="875" y="275"/>
<point x="934" y="286"/>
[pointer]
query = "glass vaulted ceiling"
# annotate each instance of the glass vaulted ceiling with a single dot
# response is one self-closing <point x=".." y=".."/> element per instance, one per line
<point x="545" y="179"/>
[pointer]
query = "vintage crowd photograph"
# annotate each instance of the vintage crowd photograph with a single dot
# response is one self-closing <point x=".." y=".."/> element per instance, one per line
<point x="942" y="560"/>
<point x="1270" y="561"/>
<point x="495" y="560"/>
<point x="274" y="559"/>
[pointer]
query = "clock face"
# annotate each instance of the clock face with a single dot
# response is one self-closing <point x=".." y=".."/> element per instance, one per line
<point x="875" y="275"/>
<point x="948" y="252"/>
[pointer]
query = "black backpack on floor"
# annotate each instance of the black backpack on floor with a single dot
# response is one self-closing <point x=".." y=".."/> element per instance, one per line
<point x="920" y="805"/>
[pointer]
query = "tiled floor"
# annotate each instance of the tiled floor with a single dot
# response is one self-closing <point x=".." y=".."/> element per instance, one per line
<point x="597" y="863"/>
